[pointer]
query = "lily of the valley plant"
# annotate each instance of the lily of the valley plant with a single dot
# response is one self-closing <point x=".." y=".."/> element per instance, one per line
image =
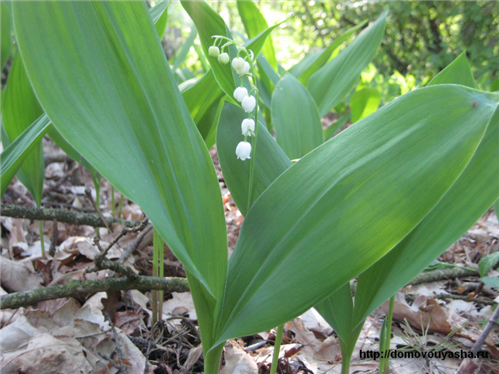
<point x="379" y="199"/>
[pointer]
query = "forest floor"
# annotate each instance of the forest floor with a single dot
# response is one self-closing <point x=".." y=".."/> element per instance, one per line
<point x="72" y="335"/>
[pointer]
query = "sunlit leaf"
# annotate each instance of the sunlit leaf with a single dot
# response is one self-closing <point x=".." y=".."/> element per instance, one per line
<point x="100" y="73"/>
<point x="331" y="83"/>
<point x="347" y="203"/>
<point x="458" y="72"/>
<point x="254" y="23"/>
<point x="364" y="102"/>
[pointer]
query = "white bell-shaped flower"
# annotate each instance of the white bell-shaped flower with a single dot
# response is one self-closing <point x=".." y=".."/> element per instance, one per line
<point x="243" y="150"/>
<point x="238" y="63"/>
<point x="223" y="58"/>
<point x="240" y="93"/>
<point x="248" y="103"/>
<point x="213" y="51"/>
<point x="248" y="127"/>
<point x="244" y="69"/>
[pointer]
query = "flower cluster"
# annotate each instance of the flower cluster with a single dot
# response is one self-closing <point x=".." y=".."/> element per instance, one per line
<point x="242" y="66"/>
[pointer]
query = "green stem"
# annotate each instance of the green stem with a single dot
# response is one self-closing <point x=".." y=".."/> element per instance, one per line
<point x="212" y="360"/>
<point x="385" y="368"/>
<point x="346" y="354"/>
<point x="252" y="160"/>
<point x="113" y="203"/>
<point x="120" y="207"/>
<point x="277" y="348"/>
<point x="40" y="229"/>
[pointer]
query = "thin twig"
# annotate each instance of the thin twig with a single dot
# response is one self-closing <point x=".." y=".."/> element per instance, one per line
<point x="88" y="193"/>
<point x="116" y="340"/>
<point x="486" y="331"/>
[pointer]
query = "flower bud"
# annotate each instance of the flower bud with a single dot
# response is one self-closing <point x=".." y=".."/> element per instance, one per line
<point x="248" y="103"/>
<point x="223" y="58"/>
<point x="248" y="127"/>
<point x="213" y="51"/>
<point x="238" y="63"/>
<point x="244" y="69"/>
<point x="240" y="93"/>
<point x="243" y="150"/>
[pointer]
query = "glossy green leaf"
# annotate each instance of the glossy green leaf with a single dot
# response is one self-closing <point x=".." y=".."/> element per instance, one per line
<point x="347" y="203"/>
<point x="311" y="66"/>
<point x="487" y="263"/>
<point x="13" y="156"/>
<point x="468" y="199"/>
<point x="331" y="83"/>
<point x="376" y="284"/>
<point x="364" y="102"/>
<point x="270" y="159"/>
<point x="20" y="110"/>
<point x="209" y="23"/>
<point x="458" y="72"/>
<point x="254" y="23"/>
<point x="496" y="208"/>
<point x="99" y="71"/>
<point x="5" y="41"/>
<point x="207" y="126"/>
<point x="295" y="118"/>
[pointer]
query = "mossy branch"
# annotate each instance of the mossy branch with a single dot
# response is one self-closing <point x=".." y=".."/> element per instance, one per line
<point x="61" y="215"/>
<point x="77" y="288"/>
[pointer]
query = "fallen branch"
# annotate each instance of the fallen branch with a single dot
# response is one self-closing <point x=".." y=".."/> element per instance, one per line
<point x="77" y="288"/>
<point x="444" y="296"/>
<point x="450" y="273"/>
<point x="61" y="215"/>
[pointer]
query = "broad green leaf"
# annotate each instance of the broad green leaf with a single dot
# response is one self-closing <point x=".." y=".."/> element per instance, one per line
<point x="209" y="23"/>
<point x="254" y="23"/>
<point x="487" y="263"/>
<point x="5" y="41"/>
<point x="157" y="11"/>
<point x="307" y="69"/>
<point x="270" y="160"/>
<point x="347" y="203"/>
<point x="201" y="95"/>
<point x="496" y="208"/>
<point x="182" y="54"/>
<point x="295" y="118"/>
<point x="331" y="83"/>
<point x="468" y="199"/>
<point x="458" y="72"/>
<point x="364" y="102"/>
<point x="334" y="127"/>
<point x="13" y="156"/>
<point x="20" y="110"/>
<point x="100" y="73"/>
